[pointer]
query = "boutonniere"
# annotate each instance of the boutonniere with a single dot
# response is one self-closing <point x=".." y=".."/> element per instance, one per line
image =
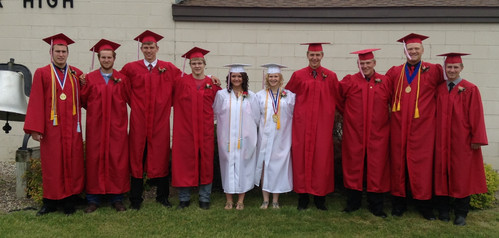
<point x="115" y="80"/>
<point x="283" y="94"/>
<point x="207" y="86"/>
<point x="424" y="68"/>
<point x="461" y="89"/>
<point x="161" y="70"/>
<point x="245" y="94"/>
<point x="72" y="71"/>
<point x="378" y="80"/>
<point x="324" y="76"/>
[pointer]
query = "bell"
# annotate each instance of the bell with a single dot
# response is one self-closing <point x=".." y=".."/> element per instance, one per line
<point x="13" y="88"/>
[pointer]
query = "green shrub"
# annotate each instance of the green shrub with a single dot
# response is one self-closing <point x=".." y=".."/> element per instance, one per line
<point x="34" y="188"/>
<point x="487" y="200"/>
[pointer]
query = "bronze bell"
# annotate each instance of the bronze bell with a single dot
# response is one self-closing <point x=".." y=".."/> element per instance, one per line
<point x="14" y="79"/>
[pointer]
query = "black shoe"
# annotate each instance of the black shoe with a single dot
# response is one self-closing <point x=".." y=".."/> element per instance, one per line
<point x="428" y="214"/>
<point x="204" y="205"/>
<point x="164" y="202"/>
<point x="321" y="207"/>
<point x="398" y="212"/>
<point x="135" y="206"/>
<point x="320" y="202"/>
<point x="381" y="214"/>
<point x="69" y="210"/>
<point x="350" y="209"/>
<point x="183" y="204"/>
<point x="46" y="210"/>
<point x="460" y="220"/>
<point x="444" y="216"/>
<point x="301" y="208"/>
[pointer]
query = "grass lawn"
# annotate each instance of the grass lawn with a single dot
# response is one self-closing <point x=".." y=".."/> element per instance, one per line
<point x="153" y="220"/>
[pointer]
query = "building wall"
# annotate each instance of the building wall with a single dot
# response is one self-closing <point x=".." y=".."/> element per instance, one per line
<point x="252" y="43"/>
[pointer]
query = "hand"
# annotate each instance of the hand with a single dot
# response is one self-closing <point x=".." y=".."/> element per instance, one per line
<point x="37" y="136"/>
<point x="475" y="146"/>
<point x="83" y="80"/>
<point x="215" y="80"/>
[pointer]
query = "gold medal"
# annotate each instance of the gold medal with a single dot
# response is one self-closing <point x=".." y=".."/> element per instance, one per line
<point x="62" y="96"/>
<point x="275" y="117"/>
<point x="408" y="89"/>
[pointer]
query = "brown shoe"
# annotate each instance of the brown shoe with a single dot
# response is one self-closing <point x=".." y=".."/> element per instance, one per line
<point x="91" y="208"/>
<point x="119" y="206"/>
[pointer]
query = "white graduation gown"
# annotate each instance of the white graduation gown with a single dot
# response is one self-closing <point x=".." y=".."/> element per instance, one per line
<point x="237" y="166"/>
<point x="274" y="146"/>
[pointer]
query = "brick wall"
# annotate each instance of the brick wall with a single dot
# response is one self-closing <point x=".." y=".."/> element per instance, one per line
<point x="252" y="43"/>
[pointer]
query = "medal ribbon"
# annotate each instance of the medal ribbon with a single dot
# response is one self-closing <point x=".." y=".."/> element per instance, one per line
<point x="398" y="90"/>
<point x="410" y="77"/>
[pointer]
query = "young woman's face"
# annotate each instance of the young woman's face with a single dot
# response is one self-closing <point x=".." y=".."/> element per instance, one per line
<point x="236" y="79"/>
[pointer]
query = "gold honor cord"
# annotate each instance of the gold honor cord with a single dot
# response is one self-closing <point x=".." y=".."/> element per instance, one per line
<point x="276" y="116"/>
<point x="53" y="110"/>
<point x="240" y="121"/>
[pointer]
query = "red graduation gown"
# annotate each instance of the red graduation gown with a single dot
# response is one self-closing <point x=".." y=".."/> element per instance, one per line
<point x="193" y="132"/>
<point x="107" y="163"/>
<point x="412" y="139"/>
<point x="366" y="133"/>
<point x="150" y="103"/>
<point x="61" y="149"/>
<point x="313" y="121"/>
<point x="459" y="169"/>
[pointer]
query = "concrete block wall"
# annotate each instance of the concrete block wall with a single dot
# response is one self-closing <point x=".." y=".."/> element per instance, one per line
<point x="253" y="43"/>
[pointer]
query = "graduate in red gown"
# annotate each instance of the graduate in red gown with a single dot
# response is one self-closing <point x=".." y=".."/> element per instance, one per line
<point x="151" y="85"/>
<point x="105" y="98"/>
<point x="459" y="170"/>
<point x="316" y="90"/>
<point x="366" y="134"/>
<point x="53" y="118"/>
<point x="412" y="126"/>
<point x="193" y="131"/>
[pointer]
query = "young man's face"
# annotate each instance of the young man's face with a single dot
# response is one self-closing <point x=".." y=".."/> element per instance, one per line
<point x="106" y="59"/>
<point x="197" y="66"/>
<point x="314" y="58"/>
<point x="60" y="55"/>
<point x="367" y="67"/>
<point x="453" y="71"/>
<point x="416" y="51"/>
<point x="149" y="50"/>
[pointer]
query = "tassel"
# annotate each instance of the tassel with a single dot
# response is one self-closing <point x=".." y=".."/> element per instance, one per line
<point x="228" y="147"/>
<point x="278" y="124"/>
<point x="239" y="143"/>
<point x="78" y="128"/>
<point x="416" y="113"/>
<point x="398" y="106"/>
<point x="55" y="120"/>
<point x="394" y="109"/>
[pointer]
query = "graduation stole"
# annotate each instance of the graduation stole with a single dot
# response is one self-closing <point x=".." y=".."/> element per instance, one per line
<point x="276" y="105"/>
<point x="62" y="96"/>
<point x="239" y="139"/>
<point x="398" y="91"/>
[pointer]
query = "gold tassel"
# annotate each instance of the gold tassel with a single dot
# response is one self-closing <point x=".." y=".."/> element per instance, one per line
<point x="398" y="106"/>
<point x="416" y="113"/>
<point x="278" y="123"/>
<point x="239" y="143"/>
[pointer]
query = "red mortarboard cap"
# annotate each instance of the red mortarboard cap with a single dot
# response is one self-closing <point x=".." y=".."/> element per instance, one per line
<point x="59" y="39"/>
<point x="104" y="44"/>
<point x="317" y="46"/>
<point x="366" y="54"/>
<point x="412" y="38"/>
<point x="148" y="36"/>
<point x="195" y="52"/>
<point x="453" y="58"/>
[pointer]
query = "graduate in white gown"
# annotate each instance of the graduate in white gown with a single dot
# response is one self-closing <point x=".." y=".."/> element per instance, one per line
<point x="237" y="114"/>
<point x="273" y="168"/>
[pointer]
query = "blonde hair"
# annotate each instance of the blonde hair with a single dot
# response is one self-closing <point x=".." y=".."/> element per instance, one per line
<point x="281" y="81"/>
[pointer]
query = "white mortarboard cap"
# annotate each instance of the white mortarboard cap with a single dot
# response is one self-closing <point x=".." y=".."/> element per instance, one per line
<point x="236" y="68"/>
<point x="273" y="68"/>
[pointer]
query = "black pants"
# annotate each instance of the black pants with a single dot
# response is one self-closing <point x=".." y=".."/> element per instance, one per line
<point x="461" y="205"/>
<point x="137" y="189"/>
<point x="375" y="200"/>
